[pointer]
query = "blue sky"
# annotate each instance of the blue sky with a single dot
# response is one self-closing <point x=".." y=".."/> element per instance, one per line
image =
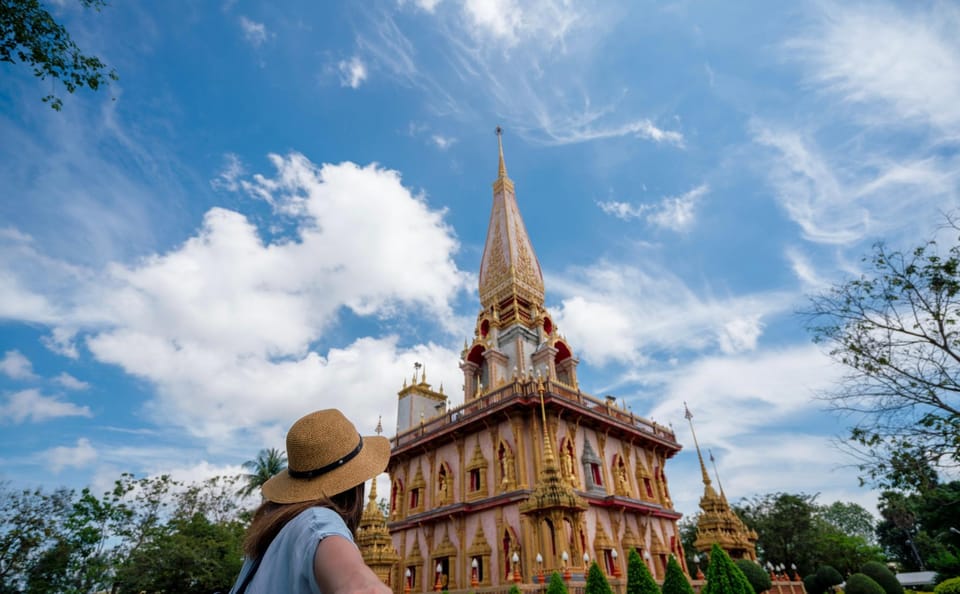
<point x="275" y="211"/>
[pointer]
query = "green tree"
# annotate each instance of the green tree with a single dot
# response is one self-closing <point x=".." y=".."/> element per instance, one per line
<point x="639" y="580"/>
<point x="879" y="573"/>
<point x="29" y="523"/>
<point x="723" y="577"/>
<point x="822" y="580"/>
<point x="786" y="529"/>
<point x="951" y="586"/>
<point x="851" y="519"/>
<point x="675" y="581"/>
<point x="896" y="331"/>
<point x="556" y="584"/>
<point x="757" y="576"/>
<point x="29" y="34"/>
<point x="597" y="582"/>
<point x="514" y="589"/>
<point x="862" y="584"/>
<point x="268" y="462"/>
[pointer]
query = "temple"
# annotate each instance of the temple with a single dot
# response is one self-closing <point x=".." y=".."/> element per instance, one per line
<point x="529" y="474"/>
<point x="718" y="523"/>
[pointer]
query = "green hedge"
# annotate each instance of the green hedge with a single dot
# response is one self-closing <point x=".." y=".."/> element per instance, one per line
<point x="860" y="583"/>
<point x="556" y="585"/>
<point x="675" y="581"/>
<point x="723" y="577"/>
<point x="757" y="576"/>
<point x="879" y="573"/>
<point x="951" y="586"/>
<point x="639" y="580"/>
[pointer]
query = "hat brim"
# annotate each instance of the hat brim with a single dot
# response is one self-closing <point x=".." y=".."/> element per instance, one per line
<point x="370" y="462"/>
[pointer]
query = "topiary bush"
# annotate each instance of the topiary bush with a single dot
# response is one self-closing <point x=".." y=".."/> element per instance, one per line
<point x="675" y="582"/>
<point x="879" y="573"/>
<point x="723" y="577"/>
<point x="556" y="585"/>
<point x="639" y="580"/>
<point x="597" y="582"/>
<point x="860" y="583"/>
<point x="812" y="585"/>
<point x="514" y="589"/>
<point x="951" y="586"/>
<point x="757" y="576"/>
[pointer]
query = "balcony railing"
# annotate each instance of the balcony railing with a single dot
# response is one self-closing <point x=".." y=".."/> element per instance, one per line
<point x="525" y="389"/>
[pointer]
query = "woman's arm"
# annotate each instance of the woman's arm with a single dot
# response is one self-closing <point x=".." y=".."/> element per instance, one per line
<point x="339" y="569"/>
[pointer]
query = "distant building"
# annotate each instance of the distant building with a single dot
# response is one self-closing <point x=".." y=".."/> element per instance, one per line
<point x="529" y="475"/>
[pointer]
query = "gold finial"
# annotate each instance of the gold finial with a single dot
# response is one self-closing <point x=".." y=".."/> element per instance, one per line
<point x="716" y="473"/>
<point x="703" y="468"/>
<point x="502" y="169"/>
<point x="416" y="368"/>
<point x="423" y="374"/>
<point x="441" y="387"/>
<point x="379" y="428"/>
<point x="547" y="449"/>
<point x="373" y="489"/>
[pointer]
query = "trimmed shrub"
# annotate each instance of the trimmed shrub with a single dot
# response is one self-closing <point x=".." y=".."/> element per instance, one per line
<point x="812" y="585"/>
<point x="757" y="576"/>
<point x="879" y="573"/>
<point x="723" y="577"/>
<point x="639" y="580"/>
<point x="822" y="580"/>
<point x="597" y="582"/>
<point x="513" y="589"/>
<point x="951" y="586"/>
<point x="675" y="582"/>
<point x="859" y="583"/>
<point x="556" y="584"/>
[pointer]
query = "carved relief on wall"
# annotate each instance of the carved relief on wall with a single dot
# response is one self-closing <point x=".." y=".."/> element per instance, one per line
<point x="644" y="479"/>
<point x="568" y="462"/>
<point x="619" y="471"/>
<point x="507" y="470"/>
<point x="444" y="484"/>
<point x="477" y="474"/>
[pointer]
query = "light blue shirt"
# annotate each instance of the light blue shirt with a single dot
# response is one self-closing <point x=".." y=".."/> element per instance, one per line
<point x="287" y="564"/>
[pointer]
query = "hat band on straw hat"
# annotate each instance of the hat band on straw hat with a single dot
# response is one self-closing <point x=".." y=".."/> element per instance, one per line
<point x="307" y="474"/>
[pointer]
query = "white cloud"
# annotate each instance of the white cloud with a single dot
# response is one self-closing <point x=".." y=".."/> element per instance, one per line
<point x="222" y="325"/>
<point x="71" y="383"/>
<point x="672" y="212"/>
<point x="352" y="72"/>
<point x="623" y="313"/>
<point x="903" y="64"/>
<point x="428" y="5"/>
<point x="15" y="366"/>
<point x="842" y="199"/>
<point x="442" y="142"/>
<point x="78" y="456"/>
<point x="229" y="177"/>
<point x="253" y="32"/>
<point x="31" y="405"/>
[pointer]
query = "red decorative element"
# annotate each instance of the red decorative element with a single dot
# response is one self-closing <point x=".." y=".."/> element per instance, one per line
<point x="563" y="351"/>
<point x="476" y="355"/>
<point x="547" y="325"/>
<point x="484" y="328"/>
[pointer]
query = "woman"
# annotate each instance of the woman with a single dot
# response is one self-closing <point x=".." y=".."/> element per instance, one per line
<point x="301" y="537"/>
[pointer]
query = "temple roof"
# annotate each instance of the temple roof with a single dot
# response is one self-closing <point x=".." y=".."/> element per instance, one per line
<point x="509" y="267"/>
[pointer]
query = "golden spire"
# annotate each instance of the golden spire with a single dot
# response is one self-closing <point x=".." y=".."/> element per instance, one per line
<point x="502" y="170"/>
<point x="717" y="474"/>
<point x="510" y="276"/>
<point x="548" y="459"/>
<point x="703" y="467"/>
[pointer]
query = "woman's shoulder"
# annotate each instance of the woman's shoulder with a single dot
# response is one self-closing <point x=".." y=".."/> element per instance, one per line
<point x="321" y="522"/>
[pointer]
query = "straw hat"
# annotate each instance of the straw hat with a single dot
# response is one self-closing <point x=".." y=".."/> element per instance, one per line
<point x="326" y="456"/>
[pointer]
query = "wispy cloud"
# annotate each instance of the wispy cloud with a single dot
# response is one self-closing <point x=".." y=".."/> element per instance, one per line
<point x="70" y="383"/>
<point x="253" y="32"/>
<point x="677" y="213"/>
<point x="500" y="56"/>
<point x="902" y="63"/>
<point x="352" y="72"/>
<point x="77" y="456"/>
<point x="442" y="142"/>
<point x="31" y="405"/>
<point x="626" y="314"/>
<point x="229" y="176"/>
<point x="15" y="366"/>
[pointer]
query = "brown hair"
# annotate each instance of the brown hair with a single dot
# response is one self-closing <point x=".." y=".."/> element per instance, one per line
<point x="271" y="517"/>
